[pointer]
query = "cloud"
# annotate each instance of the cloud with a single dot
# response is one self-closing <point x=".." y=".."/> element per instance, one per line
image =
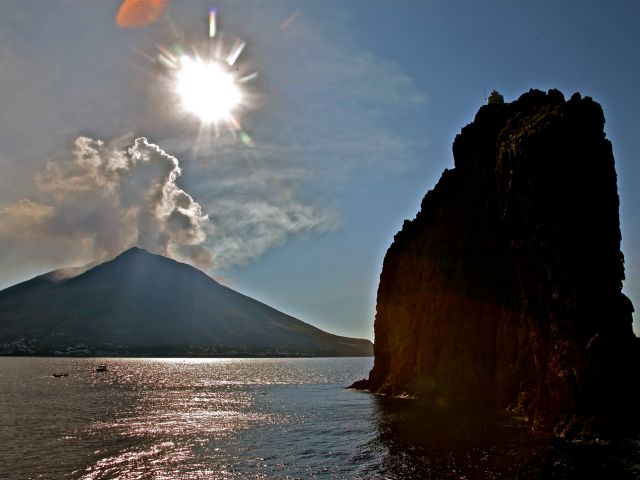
<point x="322" y="118"/>
<point x="245" y="230"/>
<point x="102" y="201"/>
<point x="321" y="121"/>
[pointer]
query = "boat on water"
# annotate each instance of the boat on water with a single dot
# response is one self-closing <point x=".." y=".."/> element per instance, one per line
<point x="58" y="375"/>
<point x="101" y="368"/>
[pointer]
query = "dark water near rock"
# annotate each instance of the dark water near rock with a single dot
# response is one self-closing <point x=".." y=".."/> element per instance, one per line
<point x="259" y="418"/>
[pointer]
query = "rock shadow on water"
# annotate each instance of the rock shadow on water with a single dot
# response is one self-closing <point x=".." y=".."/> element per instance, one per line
<point x="425" y="441"/>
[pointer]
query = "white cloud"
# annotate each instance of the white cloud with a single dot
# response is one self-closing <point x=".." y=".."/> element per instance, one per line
<point x="102" y="201"/>
<point x="247" y="229"/>
<point x="323" y="116"/>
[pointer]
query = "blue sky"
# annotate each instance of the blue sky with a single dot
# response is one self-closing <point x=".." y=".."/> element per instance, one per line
<point x="353" y="116"/>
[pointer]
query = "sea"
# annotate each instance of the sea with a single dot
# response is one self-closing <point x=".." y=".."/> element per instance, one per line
<point x="152" y="418"/>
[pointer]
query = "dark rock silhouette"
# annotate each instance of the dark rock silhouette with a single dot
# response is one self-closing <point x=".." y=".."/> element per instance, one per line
<point x="505" y="290"/>
<point x="145" y="304"/>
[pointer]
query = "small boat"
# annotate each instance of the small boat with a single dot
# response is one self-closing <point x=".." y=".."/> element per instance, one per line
<point x="58" y="375"/>
<point x="101" y="368"/>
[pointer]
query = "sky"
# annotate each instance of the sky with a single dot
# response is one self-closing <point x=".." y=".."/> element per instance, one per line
<point x="351" y="120"/>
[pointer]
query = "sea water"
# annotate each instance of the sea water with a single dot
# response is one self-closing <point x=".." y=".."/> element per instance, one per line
<point x="259" y="418"/>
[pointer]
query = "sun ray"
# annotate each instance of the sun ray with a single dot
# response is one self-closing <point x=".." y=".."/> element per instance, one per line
<point x="249" y="77"/>
<point x="212" y="22"/>
<point x="235" y="52"/>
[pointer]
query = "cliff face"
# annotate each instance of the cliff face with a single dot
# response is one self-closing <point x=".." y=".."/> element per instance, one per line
<point x="506" y="287"/>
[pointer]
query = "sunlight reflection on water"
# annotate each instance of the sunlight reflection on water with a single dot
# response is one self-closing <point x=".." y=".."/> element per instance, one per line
<point x="251" y="419"/>
<point x="168" y="418"/>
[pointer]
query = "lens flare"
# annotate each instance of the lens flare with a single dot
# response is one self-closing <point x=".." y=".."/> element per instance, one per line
<point x="140" y="13"/>
<point x="212" y="22"/>
<point x="207" y="89"/>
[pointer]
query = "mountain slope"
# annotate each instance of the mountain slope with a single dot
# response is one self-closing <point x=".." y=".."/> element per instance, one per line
<point x="140" y="303"/>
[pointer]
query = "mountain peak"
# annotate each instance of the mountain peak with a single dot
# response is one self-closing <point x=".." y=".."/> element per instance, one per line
<point x="136" y="251"/>
<point x="135" y="255"/>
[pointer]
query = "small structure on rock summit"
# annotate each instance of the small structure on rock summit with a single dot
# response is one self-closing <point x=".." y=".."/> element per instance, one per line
<point x="495" y="98"/>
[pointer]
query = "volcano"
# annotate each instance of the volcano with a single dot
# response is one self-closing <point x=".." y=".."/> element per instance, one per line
<point x="142" y="304"/>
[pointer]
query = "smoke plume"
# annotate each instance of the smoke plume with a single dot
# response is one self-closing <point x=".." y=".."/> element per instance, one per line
<point x="102" y="201"/>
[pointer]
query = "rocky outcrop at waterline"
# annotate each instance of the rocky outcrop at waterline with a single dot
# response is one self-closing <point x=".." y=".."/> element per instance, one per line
<point x="506" y="287"/>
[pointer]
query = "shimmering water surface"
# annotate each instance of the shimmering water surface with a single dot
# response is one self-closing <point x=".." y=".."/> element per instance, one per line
<point x="257" y="418"/>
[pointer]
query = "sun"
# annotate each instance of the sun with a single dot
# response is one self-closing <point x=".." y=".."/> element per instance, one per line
<point x="207" y="89"/>
<point x="209" y="80"/>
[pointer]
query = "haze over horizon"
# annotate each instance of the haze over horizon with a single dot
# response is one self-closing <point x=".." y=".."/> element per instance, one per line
<point x="351" y="121"/>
